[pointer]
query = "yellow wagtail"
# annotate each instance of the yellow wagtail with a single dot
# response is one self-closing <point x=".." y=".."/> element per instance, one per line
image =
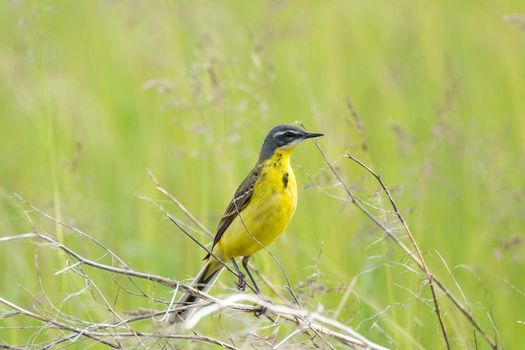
<point x="260" y="211"/>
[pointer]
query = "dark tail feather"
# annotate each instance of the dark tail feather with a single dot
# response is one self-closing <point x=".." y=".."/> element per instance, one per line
<point x="203" y="282"/>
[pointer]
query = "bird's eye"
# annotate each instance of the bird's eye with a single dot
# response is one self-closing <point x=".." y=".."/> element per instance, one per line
<point x="288" y="134"/>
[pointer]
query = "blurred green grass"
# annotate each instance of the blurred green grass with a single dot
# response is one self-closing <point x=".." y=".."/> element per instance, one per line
<point x="93" y="93"/>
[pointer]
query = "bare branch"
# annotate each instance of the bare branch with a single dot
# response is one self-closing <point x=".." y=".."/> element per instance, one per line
<point x="178" y="204"/>
<point x="58" y="325"/>
<point x="304" y="319"/>
<point x="422" y="264"/>
<point x="413" y="255"/>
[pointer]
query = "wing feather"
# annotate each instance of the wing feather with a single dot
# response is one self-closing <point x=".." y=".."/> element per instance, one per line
<point x="240" y="201"/>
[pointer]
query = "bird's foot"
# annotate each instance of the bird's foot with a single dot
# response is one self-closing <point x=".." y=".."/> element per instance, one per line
<point x="241" y="282"/>
<point x="260" y="311"/>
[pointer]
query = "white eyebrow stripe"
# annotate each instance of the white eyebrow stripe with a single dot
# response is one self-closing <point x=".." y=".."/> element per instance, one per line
<point x="285" y="131"/>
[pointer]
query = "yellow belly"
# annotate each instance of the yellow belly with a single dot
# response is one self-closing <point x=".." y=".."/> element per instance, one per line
<point x="267" y="215"/>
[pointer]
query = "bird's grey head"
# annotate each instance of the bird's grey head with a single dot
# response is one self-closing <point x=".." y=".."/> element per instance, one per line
<point x="284" y="137"/>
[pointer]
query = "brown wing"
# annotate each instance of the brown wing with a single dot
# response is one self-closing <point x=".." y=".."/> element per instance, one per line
<point x="240" y="200"/>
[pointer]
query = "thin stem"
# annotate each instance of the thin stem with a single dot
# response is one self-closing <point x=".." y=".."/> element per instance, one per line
<point x="411" y="254"/>
<point x="414" y="243"/>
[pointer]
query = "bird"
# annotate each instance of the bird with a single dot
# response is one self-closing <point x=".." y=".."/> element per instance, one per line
<point x="261" y="209"/>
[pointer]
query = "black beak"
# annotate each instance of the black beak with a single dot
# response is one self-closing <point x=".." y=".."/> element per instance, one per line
<point x="311" y="135"/>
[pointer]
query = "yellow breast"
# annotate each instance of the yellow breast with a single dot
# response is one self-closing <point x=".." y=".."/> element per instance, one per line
<point x="269" y="212"/>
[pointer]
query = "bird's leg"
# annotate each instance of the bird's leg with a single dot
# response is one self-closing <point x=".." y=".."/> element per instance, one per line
<point x="241" y="282"/>
<point x="245" y="261"/>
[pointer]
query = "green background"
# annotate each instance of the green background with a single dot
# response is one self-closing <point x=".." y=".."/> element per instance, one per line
<point x="93" y="93"/>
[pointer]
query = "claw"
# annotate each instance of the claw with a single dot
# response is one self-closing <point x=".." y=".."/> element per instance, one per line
<point x="260" y="311"/>
<point x="241" y="282"/>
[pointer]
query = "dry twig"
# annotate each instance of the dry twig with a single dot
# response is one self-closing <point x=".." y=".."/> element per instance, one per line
<point x="110" y="334"/>
<point x="421" y="261"/>
<point x="416" y="257"/>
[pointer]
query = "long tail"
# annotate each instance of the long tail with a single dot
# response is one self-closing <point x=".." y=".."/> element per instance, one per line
<point x="203" y="282"/>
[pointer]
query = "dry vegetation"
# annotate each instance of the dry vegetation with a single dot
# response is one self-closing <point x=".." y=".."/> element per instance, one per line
<point x="287" y="322"/>
<point x="428" y="255"/>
